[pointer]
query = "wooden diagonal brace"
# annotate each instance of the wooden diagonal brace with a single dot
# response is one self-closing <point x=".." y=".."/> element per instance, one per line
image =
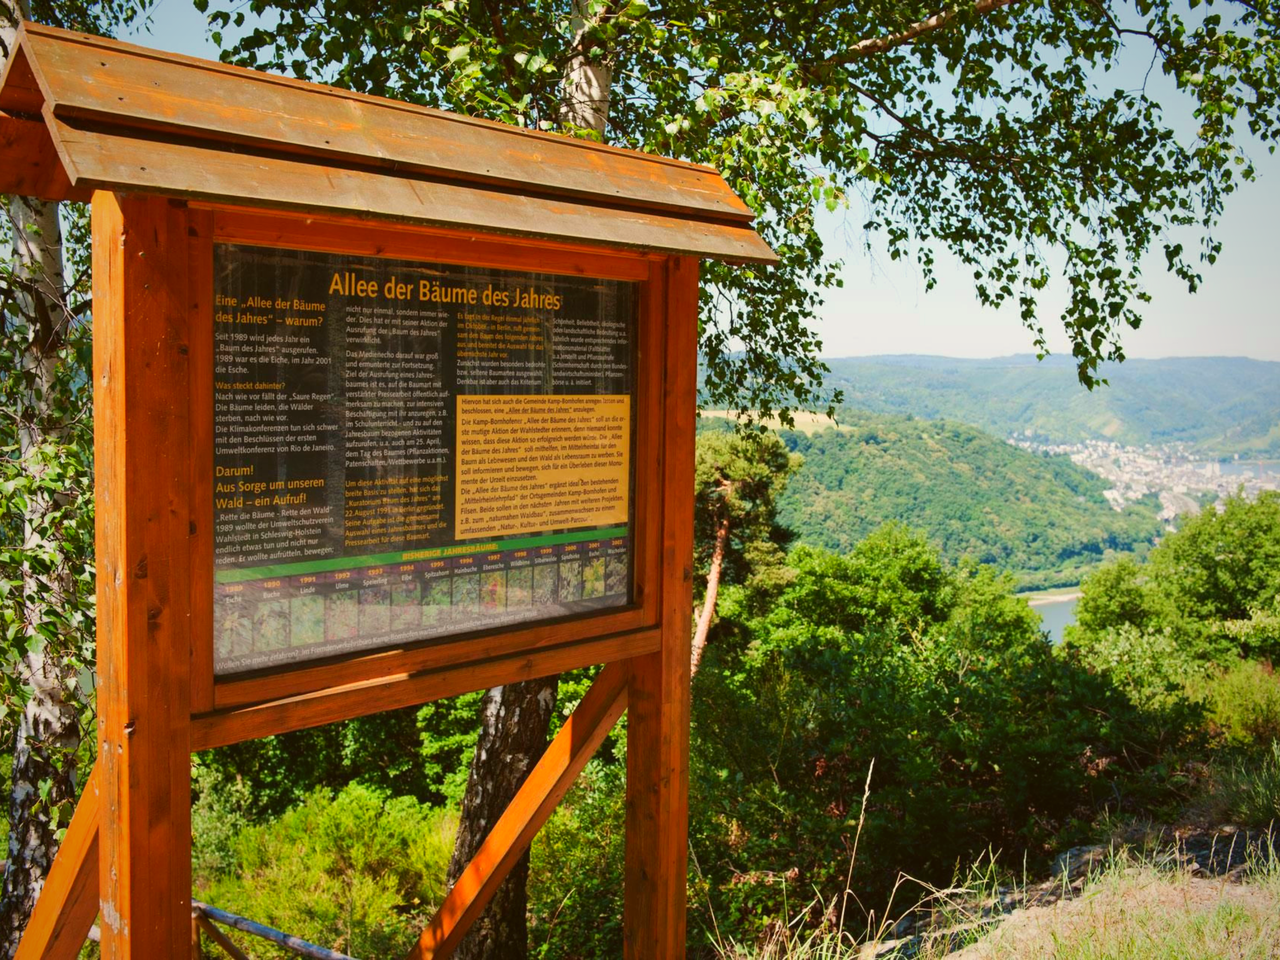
<point x="533" y="804"/>
<point x="68" y="903"/>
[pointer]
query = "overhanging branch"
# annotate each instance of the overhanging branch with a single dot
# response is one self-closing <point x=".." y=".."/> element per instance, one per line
<point x="873" y="45"/>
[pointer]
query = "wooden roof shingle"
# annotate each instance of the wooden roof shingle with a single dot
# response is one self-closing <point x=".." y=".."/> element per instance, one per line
<point x="79" y="113"/>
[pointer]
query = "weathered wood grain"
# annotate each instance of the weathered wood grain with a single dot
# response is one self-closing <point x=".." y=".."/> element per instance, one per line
<point x="31" y="167"/>
<point x="200" y="452"/>
<point x="361" y="699"/>
<point x="658" y="696"/>
<point x="19" y="90"/>
<point x="457" y="651"/>
<point x="59" y="925"/>
<point x="141" y="424"/>
<point x="91" y="77"/>
<point x="114" y="157"/>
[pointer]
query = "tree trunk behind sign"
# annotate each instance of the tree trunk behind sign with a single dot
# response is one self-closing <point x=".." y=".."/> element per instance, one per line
<point x="514" y="719"/>
<point x="48" y="730"/>
<point x="48" y="734"/>
<point x="513" y="733"/>
<point x="703" y="626"/>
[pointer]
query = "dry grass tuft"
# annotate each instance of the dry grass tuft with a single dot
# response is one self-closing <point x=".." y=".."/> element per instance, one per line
<point x="1127" y="909"/>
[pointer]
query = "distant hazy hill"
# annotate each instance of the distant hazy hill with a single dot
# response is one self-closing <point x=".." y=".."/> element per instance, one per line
<point x="1222" y="405"/>
<point x="1042" y="517"/>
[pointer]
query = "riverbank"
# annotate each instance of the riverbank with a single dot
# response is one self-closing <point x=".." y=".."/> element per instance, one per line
<point x="1057" y="608"/>
<point x="1039" y="598"/>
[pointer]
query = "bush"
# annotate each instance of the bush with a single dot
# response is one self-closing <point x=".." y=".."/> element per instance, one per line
<point x="356" y="872"/>
<point x="1149" y="666"/>
<point x="1243" y="704"/>
<point x="219" y="812"/>
<point x="980" y="733"/>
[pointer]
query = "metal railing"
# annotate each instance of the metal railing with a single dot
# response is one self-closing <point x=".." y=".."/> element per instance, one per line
<point x="203" y="917"/>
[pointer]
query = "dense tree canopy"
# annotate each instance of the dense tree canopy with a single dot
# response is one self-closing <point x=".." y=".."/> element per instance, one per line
<point x="1041" y="517"/>
<point x="994" y="129"/>
<point x="1212" y="588"/>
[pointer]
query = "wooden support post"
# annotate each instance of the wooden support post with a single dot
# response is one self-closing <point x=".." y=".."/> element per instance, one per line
<point x="68" y="902"/>
<point x="533" y="803"/>
<point x="201" y="923"/>
<point x="197" y="951"/>
<point x="658" y="696"/>
<point x="140" y="369"/>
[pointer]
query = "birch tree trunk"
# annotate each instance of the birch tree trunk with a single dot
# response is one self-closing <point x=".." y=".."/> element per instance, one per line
<point x="584" y="102"/>
<point x="513" y="734"/>
<point x="48" y="734"/>
<point x="514" y="719"/>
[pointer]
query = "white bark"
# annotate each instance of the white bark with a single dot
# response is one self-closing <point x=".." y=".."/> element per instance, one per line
<point x="48" y="731"/>
<point x="587" y="82"/>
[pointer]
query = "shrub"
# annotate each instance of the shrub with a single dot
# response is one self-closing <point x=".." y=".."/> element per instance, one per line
<point x="1248" y="791"/>
<point x="980" y="733"/>
<point x="1149" y="666"/>
<point x="356" y="872"/>
<point x="1243" y="703"/>
<point x="219" y="812"/>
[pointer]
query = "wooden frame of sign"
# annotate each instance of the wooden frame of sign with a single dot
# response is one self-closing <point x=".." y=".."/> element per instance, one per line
<point x="168" y="687"/>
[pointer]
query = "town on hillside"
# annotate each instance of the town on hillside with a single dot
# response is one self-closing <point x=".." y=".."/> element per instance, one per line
<point x="1183" y="480"/>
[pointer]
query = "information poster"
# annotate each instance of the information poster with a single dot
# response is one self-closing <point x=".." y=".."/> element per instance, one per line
<point x="406" y="450"/>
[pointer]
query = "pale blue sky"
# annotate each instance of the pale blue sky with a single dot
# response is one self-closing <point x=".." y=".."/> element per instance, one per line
<point x="884" y="308"/>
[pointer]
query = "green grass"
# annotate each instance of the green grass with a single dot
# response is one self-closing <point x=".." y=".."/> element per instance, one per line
<point x="1140" y="912"/>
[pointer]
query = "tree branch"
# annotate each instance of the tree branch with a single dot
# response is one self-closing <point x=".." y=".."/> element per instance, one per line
<point x="873" y="45"/>
<point x="708" y="611"/>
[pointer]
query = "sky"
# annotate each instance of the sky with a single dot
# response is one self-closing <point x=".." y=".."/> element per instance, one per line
<point x="884" y="308"/>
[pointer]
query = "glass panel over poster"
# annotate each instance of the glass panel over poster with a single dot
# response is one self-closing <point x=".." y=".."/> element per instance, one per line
<point x="405" y="451"/>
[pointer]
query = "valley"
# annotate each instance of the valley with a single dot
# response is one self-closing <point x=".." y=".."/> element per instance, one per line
<point x="1010" y="462"/>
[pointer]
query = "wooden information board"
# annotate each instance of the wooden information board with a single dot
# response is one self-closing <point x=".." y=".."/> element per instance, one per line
<point x="390" y="405"/>
<point x="405" y="450"/>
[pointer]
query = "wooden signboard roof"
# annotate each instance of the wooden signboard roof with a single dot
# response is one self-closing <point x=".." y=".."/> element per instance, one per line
<point x="79" y="113"/>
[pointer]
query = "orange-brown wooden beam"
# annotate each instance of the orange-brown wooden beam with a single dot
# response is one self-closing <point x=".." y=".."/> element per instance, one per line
<point x="144" y="536"/>
<point x="658" y="695"/>
<point x="60" y="922"/>
<point x="532" y="805"/>
<point x="32" y="167"/>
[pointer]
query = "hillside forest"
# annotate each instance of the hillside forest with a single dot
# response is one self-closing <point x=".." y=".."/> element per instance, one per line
<point x="1215" y="406"/>
<point x="1040" y="517"/>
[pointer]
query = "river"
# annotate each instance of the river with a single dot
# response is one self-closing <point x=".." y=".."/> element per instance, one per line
<point x="1058" y="613"/>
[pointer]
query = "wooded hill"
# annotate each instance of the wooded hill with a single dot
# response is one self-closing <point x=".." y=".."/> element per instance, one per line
<point x="1041" y="517"/>
<point x="1219" y="405"/>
